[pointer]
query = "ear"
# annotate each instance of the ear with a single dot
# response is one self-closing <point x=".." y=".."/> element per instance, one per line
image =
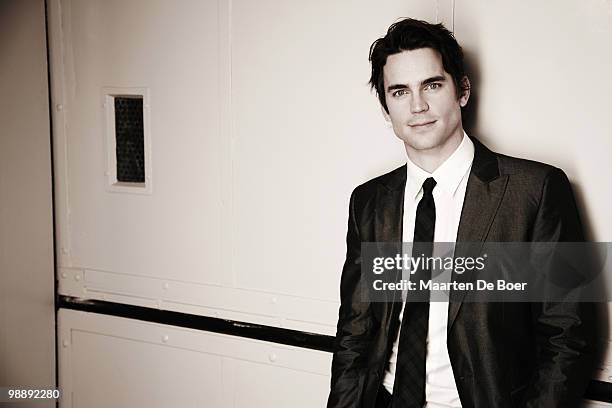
<point x="385" y="114"/>
<point x="465" y="91"/>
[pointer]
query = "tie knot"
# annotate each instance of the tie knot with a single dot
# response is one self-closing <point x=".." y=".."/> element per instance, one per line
<point x="428" y="185"/>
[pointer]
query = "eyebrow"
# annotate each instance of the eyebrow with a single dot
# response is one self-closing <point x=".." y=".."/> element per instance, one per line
<point x="438" y="78"/>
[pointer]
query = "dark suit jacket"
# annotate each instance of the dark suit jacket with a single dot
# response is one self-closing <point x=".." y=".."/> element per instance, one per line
<point x="502" y="354"/>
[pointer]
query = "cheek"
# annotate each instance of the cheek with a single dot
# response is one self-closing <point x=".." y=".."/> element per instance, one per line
<point x="397" y="114"/>
<point x="451" y="113"/>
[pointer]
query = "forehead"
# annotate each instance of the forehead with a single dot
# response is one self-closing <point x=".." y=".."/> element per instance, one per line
<point x="413" y="66"/>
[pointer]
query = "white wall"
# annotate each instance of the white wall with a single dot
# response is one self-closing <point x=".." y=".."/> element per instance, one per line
<point x="27" y="315"/>
<point x="110" y="361"/>
<point x="261" y="123"/>
<point x="542" y="86"/>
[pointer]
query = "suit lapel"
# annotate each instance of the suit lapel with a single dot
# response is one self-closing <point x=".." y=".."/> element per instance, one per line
<point x="389" y="214"/>
<point x="484" y="193"/>
<point x="388" y="226"/>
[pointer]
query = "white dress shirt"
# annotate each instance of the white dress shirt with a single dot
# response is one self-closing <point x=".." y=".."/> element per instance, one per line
<point x="451" y="178"/>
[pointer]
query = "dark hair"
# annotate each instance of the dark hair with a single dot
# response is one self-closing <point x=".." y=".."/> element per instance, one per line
<point x="410" y="34"/>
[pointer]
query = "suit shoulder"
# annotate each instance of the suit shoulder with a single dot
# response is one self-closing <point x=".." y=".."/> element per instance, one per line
<point x="392" y="179"/>
<point x="529" y="179"/>
<point x="524" y="168"/>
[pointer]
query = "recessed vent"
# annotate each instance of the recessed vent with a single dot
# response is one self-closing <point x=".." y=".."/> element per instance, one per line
<point x="129" y="136"/>
<point x="128" y="140"/>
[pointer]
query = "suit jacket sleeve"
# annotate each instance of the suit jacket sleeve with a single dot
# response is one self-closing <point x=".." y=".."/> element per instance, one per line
<point x="565" y="330"/>
<point x="354" y="324"/>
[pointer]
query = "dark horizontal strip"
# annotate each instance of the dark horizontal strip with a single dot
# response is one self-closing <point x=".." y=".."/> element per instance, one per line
<point x="596" y="391"/>
<point x="211" y="324"/>
<point x="599" y="391"/>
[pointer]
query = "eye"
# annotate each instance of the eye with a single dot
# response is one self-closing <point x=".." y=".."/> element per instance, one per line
<point x="433" y="86"/>
<point x="399" y="92"/>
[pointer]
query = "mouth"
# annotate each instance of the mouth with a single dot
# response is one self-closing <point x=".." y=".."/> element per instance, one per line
<point x="421" y="125"/>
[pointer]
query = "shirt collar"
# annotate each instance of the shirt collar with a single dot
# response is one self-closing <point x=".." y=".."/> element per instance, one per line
<point x="448" y="175"/>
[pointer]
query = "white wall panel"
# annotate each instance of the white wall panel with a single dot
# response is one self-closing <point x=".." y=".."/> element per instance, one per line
<point x="130" y="373"/>
<point x="281" y="388"/>
<point x="261" y="123"/>
<point x="172" y="51"/>
<point x="109" y="361"/>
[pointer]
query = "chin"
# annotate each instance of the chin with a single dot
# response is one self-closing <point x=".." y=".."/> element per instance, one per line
<point x="421" y="142"/>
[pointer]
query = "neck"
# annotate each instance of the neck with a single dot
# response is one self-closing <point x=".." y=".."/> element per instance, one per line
<point x="430" y="159"/>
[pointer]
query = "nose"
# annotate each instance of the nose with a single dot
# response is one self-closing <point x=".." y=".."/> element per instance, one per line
<point x="418" y="103"/>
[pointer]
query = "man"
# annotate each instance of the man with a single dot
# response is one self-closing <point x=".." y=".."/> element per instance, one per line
<point x="453" y="189"/>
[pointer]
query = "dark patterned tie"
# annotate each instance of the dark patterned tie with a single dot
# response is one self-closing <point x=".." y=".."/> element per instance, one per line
<point x="409" y="387"/>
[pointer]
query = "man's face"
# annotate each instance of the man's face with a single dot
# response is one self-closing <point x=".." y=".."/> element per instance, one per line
<point x="424" y="107"/>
